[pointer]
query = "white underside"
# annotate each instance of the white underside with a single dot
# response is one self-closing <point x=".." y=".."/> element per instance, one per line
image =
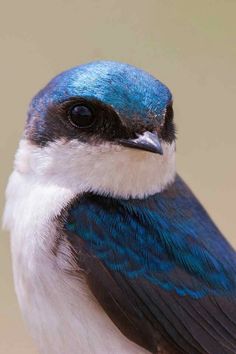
<point x="62" y="315"/>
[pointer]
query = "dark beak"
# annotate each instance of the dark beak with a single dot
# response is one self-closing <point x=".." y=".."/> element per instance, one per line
<point x="147" y="141"/>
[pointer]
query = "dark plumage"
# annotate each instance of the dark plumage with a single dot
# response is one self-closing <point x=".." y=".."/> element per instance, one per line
<point x="160" y="268"/>
<point x="108" y="126"/>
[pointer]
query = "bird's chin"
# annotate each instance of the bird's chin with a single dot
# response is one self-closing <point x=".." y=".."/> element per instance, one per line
<point x="108" y="169"/>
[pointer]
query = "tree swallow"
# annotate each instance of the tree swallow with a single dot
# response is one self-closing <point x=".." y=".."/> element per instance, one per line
<point x="112" y="253"/>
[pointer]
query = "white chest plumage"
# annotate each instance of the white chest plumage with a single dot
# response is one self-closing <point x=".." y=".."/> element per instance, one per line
<point x="62" y="315"/>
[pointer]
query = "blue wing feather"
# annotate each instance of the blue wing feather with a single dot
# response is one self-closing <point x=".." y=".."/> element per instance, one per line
<point x="161" y="236"/>
<point x="168" y="256"/>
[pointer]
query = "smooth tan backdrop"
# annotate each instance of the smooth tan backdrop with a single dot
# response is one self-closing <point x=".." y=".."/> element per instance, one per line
<point x="190" y="45"/>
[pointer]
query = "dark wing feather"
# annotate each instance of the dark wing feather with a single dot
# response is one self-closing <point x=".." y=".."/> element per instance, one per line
<point x="160" y="268"/>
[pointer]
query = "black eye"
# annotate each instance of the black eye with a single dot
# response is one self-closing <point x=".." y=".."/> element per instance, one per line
<point x="81" y="116"/>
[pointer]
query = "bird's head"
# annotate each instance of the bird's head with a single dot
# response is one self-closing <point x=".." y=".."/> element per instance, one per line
<point x="105" y="127"/>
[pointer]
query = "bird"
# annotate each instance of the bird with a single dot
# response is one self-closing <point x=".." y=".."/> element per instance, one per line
<point x="112" y="252"/>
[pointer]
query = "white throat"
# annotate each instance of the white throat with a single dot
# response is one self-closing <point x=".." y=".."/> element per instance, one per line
<point x="46" y="180"/>
<point x="106" y="169"/>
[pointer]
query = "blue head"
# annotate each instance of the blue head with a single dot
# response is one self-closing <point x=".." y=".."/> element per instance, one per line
<point x="130" y="91"/>
<point x="135" y="96"/>
<point x="104" y="104"/>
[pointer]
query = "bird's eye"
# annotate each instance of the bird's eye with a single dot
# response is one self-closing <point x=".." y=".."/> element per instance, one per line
<point x="81" y="116"/>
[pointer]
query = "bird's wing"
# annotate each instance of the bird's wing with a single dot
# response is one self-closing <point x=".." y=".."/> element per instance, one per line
<point x="161" y="279"/>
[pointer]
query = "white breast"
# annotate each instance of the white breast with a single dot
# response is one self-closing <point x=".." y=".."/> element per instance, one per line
<point x="62" y="315"/>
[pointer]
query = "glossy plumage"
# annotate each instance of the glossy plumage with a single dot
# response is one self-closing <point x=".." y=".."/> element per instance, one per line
<point x="161" y="263"/>
<point x="129" y="90"/>
<point x="112" y="252"/>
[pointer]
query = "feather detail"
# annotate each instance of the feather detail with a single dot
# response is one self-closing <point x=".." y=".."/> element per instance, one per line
<point x="160" y="268"/>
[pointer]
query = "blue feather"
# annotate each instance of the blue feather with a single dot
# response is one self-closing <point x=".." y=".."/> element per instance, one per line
<point x="130" y="91"/>
<point x="167" y="239"/>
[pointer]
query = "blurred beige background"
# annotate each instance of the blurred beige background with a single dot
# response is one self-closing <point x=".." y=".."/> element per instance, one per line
<point x="190" y="45"/>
